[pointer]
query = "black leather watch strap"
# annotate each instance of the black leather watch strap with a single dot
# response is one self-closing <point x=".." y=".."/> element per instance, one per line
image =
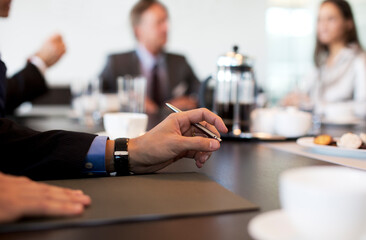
<point x="121" y="163"/>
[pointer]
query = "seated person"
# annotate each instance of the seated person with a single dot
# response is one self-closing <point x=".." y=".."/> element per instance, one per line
<point x="169" y="76"/>
<point x="340" y="73"/>
<point x="29" y="83"/>
<point x="63" y="154"/>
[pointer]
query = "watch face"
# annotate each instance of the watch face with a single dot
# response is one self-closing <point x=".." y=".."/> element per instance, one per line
<point x="120" y="153"/>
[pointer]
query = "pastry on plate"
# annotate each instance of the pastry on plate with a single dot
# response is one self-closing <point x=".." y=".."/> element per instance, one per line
<point x="349" y="140"/>
<point x="363" y="137"/>
<point x="323" y="140"/>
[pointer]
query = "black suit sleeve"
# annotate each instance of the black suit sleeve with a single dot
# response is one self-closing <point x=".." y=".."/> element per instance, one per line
<point x="48" y="155"/>
<point x="24" y="86"/>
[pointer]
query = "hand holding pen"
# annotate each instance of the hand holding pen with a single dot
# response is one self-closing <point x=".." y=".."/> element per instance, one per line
<point x="173" y="136"/>
<point x="199" y="126"/>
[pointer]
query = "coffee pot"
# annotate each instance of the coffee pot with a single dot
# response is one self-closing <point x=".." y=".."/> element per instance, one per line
<point x="230" y="92"/>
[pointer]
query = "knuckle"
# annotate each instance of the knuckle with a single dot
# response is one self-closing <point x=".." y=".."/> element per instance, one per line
<point x="44" y="206"/>
<point x="23" y="179"/>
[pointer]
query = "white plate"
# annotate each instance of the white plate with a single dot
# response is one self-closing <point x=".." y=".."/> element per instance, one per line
<point x="331" y="150"/>
<point x="349" y="121"/>
<point x="273" y="225"/>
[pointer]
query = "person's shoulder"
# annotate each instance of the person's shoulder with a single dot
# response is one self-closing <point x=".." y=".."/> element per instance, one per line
<point x="122" y="55"/>
<point x="359" y="63"/>
<point x="361" y="55"/>
<point x="177" y="59"/>
<point x="176" y="56"/>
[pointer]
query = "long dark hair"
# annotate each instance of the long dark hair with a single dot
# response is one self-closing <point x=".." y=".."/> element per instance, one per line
<point x="351" y="35"/>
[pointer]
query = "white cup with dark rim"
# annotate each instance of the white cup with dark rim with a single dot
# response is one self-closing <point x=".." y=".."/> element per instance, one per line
<point x="128" y="125"/>
<point x="325" y="202"/>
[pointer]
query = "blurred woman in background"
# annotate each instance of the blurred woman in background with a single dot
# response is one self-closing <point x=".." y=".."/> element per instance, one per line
<point x="339" y="77"/>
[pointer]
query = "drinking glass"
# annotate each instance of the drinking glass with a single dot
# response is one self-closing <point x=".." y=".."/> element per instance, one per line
<point x="131" y="94"/>
<point x="85" y="101"/>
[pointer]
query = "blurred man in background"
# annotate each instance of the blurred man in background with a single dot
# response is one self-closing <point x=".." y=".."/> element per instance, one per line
<point x="169" y="77"/>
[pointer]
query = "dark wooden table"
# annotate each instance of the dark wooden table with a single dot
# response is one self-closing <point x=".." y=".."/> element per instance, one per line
<point x="248" y="169"/>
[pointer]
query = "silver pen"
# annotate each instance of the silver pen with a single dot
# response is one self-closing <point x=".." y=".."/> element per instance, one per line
<point x="197" y="125"/>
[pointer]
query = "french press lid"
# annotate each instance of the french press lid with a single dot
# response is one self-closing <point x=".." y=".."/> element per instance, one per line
<point x="235" y="61"/>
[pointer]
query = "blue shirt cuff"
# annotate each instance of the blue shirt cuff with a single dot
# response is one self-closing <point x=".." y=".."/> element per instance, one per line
<point x="95" y="158"/>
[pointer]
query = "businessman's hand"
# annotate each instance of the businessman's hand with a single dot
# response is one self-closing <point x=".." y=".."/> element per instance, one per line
<point x="173" y="139"/>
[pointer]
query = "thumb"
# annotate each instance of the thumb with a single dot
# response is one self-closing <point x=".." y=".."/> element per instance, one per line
<point x="200" y="144"/>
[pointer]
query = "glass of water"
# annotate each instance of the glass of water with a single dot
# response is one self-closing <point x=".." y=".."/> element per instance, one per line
<point x="131" y="94"/>
<point x="86" y="101"/>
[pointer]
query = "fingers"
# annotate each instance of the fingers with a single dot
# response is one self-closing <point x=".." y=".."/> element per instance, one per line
<point x="52" y="208"/>
<point x="211" y="128"/>
<point x="201" y="158"/>
<point x="64" y="194"/>
<point x="200" y="144"/>
<point x="202" y="114"/>
<point x="56" y="37"/>
<point x="46" y="200"/>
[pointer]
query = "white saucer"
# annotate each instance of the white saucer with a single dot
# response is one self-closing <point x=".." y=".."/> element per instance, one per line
<point x="105" y="134"/>
<point x="345" y="121"/>
<point x="273" y="225"/>
<point x="102" y="134"/>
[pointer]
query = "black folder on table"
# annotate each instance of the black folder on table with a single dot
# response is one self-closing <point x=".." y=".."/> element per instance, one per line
<point x="141" y="198"/>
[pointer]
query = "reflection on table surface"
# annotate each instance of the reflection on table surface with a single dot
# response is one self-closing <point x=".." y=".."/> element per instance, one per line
<point x="249" y="169"/>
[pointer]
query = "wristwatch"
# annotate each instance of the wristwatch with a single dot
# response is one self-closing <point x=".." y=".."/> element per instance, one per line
<point x="121" y="163"/>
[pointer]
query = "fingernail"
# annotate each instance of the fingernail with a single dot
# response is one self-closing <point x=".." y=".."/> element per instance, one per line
<point x="77" y="207"/>
<point x="198" y="164"/>
<point x="86" y="200"/>
<point x="78" y="192"/>
<point x="214" y="144"/>
<point x="204" y="158"/>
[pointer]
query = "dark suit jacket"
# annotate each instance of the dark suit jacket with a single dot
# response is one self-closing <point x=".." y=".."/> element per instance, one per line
<point x="180" y="74"/>
<point x="48" y="155"/>
<point x="26" y="85"/>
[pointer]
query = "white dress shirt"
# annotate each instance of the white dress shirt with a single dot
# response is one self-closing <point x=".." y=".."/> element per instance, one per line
<point x="39" y="63"/>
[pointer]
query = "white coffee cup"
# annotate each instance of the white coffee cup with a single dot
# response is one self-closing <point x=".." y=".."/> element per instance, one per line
<point x="263" y="120"/>
<point x="123" y="124"/>
<point x="326" y="202"/>
<point x="291" y="122"/>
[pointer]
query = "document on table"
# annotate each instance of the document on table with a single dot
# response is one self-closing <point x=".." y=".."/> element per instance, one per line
<point x="142" y="198"/>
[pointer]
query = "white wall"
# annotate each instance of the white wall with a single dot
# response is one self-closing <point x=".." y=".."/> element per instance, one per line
<point x="200" y="29"/>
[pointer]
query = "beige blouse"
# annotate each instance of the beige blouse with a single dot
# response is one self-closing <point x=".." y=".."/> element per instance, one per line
<point x="343" y="82"/>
